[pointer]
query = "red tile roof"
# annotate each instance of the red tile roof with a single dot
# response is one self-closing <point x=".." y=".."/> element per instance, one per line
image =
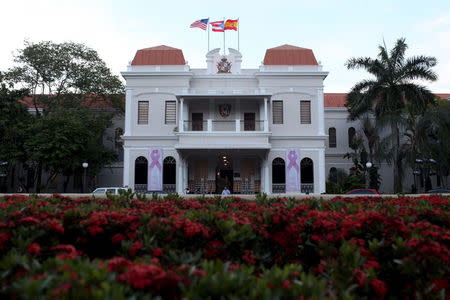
<point x="89" y="101"/>
<point x="338" y="99"/>
<point x="159" y="55"/>
<point x="288" y="55"/>
<point x="334" y="99"/>
<point x="444" y="96"/>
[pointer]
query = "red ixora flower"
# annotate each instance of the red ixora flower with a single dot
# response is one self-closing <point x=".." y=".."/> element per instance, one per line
<point x="118" y="263"/>
<point x="29" y="221"/>
<point x="94" y="230"/>
<point x="55" y="226"/>
<point x="135" y="247"/>
<point x="34" y="249"/>
<point x="157" y="252"/>
<point x="117" y="238"/>
<point x="248" y="257"/>
<point x="65" y="251"/>
<point x="379" y="287"/>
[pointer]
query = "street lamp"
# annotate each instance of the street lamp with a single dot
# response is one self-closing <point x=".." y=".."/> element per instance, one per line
<point x="85" y="165"/>
<point x="368" y="166"/>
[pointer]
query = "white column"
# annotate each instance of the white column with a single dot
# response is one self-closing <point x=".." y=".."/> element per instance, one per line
<point x="128" y="111"/>
<point x="320" y="113"/>
<point x="267" y="187"/>
<point x="209" y="125"/>
<point x="126" y="168"/>
<point x="238" y="125"/>
<point x="266" y="116"/>
<point x="321" y="176"/>
<point x="180" y="179"/>
<point x="185" y="175"/>
<point x="181" y="125"/>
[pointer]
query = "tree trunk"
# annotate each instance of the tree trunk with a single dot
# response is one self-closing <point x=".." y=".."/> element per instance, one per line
<point x="66" y="183"/>
<point x="396" y="160"/>
<point x="39" y="178"/>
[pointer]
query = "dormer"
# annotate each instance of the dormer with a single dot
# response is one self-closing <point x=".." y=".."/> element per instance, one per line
<point x="290" y="58"/>
<point x="159" y="58"/>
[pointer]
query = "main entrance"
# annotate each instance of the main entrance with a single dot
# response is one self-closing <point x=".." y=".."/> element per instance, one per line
<point x="224" y="174"/>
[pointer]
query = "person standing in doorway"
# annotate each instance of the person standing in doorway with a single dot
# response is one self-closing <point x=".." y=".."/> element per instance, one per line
<point x="225" y="191"/>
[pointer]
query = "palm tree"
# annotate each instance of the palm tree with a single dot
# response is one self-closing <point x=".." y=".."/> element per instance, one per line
<point x="392" y="87"/>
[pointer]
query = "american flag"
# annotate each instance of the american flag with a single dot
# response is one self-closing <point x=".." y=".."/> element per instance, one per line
<point x="202" y="24"/>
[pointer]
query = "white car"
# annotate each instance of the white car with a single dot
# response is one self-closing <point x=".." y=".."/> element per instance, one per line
<point x="108" y="190"/>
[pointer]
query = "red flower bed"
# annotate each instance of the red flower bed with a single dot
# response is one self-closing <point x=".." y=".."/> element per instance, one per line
<point x="180" y="248"/>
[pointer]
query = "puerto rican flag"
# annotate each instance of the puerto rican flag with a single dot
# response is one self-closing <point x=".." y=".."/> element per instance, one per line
<point x="218" y="26"/>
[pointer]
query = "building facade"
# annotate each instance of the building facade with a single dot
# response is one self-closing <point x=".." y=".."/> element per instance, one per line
<point x="224" y="125"/>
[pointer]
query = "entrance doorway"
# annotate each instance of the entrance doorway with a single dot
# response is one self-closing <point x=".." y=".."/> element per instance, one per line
<point x="224" y="174"/>
<point x="197" y="121"/>
<point x="249" y="121"/>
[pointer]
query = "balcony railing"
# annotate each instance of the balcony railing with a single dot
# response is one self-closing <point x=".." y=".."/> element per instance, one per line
<point x="225" y="125"/>
<point x="280" y="188"/>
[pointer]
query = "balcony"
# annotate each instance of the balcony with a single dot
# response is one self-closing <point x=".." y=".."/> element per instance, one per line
<point x="225" y="126"/>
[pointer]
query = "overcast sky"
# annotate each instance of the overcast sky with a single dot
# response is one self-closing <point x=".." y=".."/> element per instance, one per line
<point x="335" y="30"/>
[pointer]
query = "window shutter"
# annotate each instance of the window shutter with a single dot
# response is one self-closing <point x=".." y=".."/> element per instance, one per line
<point x="143" y="112"/>
<point x="305" y="112"/>
<point x="332" y="137"/>
<point x="171" y="112"/>
<point x="277" y="112"/>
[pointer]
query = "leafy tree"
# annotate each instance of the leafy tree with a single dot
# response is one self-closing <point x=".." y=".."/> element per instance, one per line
<point x="66" y="80"/>
<point x="392" y="87"/>
<point x="433" y="136"/>
<point x="14" y="122"/>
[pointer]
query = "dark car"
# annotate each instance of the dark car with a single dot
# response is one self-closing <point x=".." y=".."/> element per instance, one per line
<point x="363" y="192"/>
<point x="438" y="191"/>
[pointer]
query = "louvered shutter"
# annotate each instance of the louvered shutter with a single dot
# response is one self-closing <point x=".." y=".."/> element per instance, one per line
<point x="305" y="112"/>
<point x="171" y="112"/>
<point x="277" y="112"/>
<point x="332" y="137"/>
<point x="142" y="112"/>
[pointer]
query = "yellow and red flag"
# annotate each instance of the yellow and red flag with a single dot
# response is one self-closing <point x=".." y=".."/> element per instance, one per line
<point x="231" y="24"/>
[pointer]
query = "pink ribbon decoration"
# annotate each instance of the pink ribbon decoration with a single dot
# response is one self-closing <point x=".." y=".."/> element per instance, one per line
<point x="155" y="159"/>
<point x="292" y="156"/>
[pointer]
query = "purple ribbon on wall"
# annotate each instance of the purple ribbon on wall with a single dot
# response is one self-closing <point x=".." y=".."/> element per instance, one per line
<point x="155" y="155"/>
<point x="292" y="156"/>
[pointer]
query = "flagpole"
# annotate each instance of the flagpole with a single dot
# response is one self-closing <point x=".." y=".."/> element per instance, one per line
<point x="224" y="36"/>
<point x="238" y="29"/>
<point x="207" y="28"/>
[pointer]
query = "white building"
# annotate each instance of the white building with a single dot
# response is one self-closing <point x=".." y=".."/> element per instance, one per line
<point x="224" y="125"/>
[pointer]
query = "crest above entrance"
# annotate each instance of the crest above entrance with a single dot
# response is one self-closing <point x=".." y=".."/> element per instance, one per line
<point x="224" y="64"/>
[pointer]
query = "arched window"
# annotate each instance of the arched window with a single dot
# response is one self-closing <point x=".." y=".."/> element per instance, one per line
<point x="140" y="171"/>
<point x="169" y="174"/>
<point x="307" y="171"/>
<point x="351" y="135"/>
<point x="278" y="175"/>
<point x="332" y="176"/>
<point x="332" y="137"/>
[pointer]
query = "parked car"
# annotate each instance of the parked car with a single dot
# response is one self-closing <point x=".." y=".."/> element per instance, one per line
<point x="438" y="191"/>
<point x="363" y="192"/>
<point x="108" y="190"/>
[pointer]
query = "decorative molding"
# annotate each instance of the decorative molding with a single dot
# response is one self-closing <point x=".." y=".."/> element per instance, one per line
<point x="147" y="137"/>
<point x="303" y="137"/>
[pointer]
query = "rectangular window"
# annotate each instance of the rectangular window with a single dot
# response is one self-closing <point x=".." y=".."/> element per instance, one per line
<point x="142" y="112"/>
<point x="171" y="112"/>
<point x="277" y="112"/>
<point x="305" y="112"/>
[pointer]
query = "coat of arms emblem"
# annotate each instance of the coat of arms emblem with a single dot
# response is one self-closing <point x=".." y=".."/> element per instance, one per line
<point x="224" y="66"/>
<point x="224" y="110"/>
